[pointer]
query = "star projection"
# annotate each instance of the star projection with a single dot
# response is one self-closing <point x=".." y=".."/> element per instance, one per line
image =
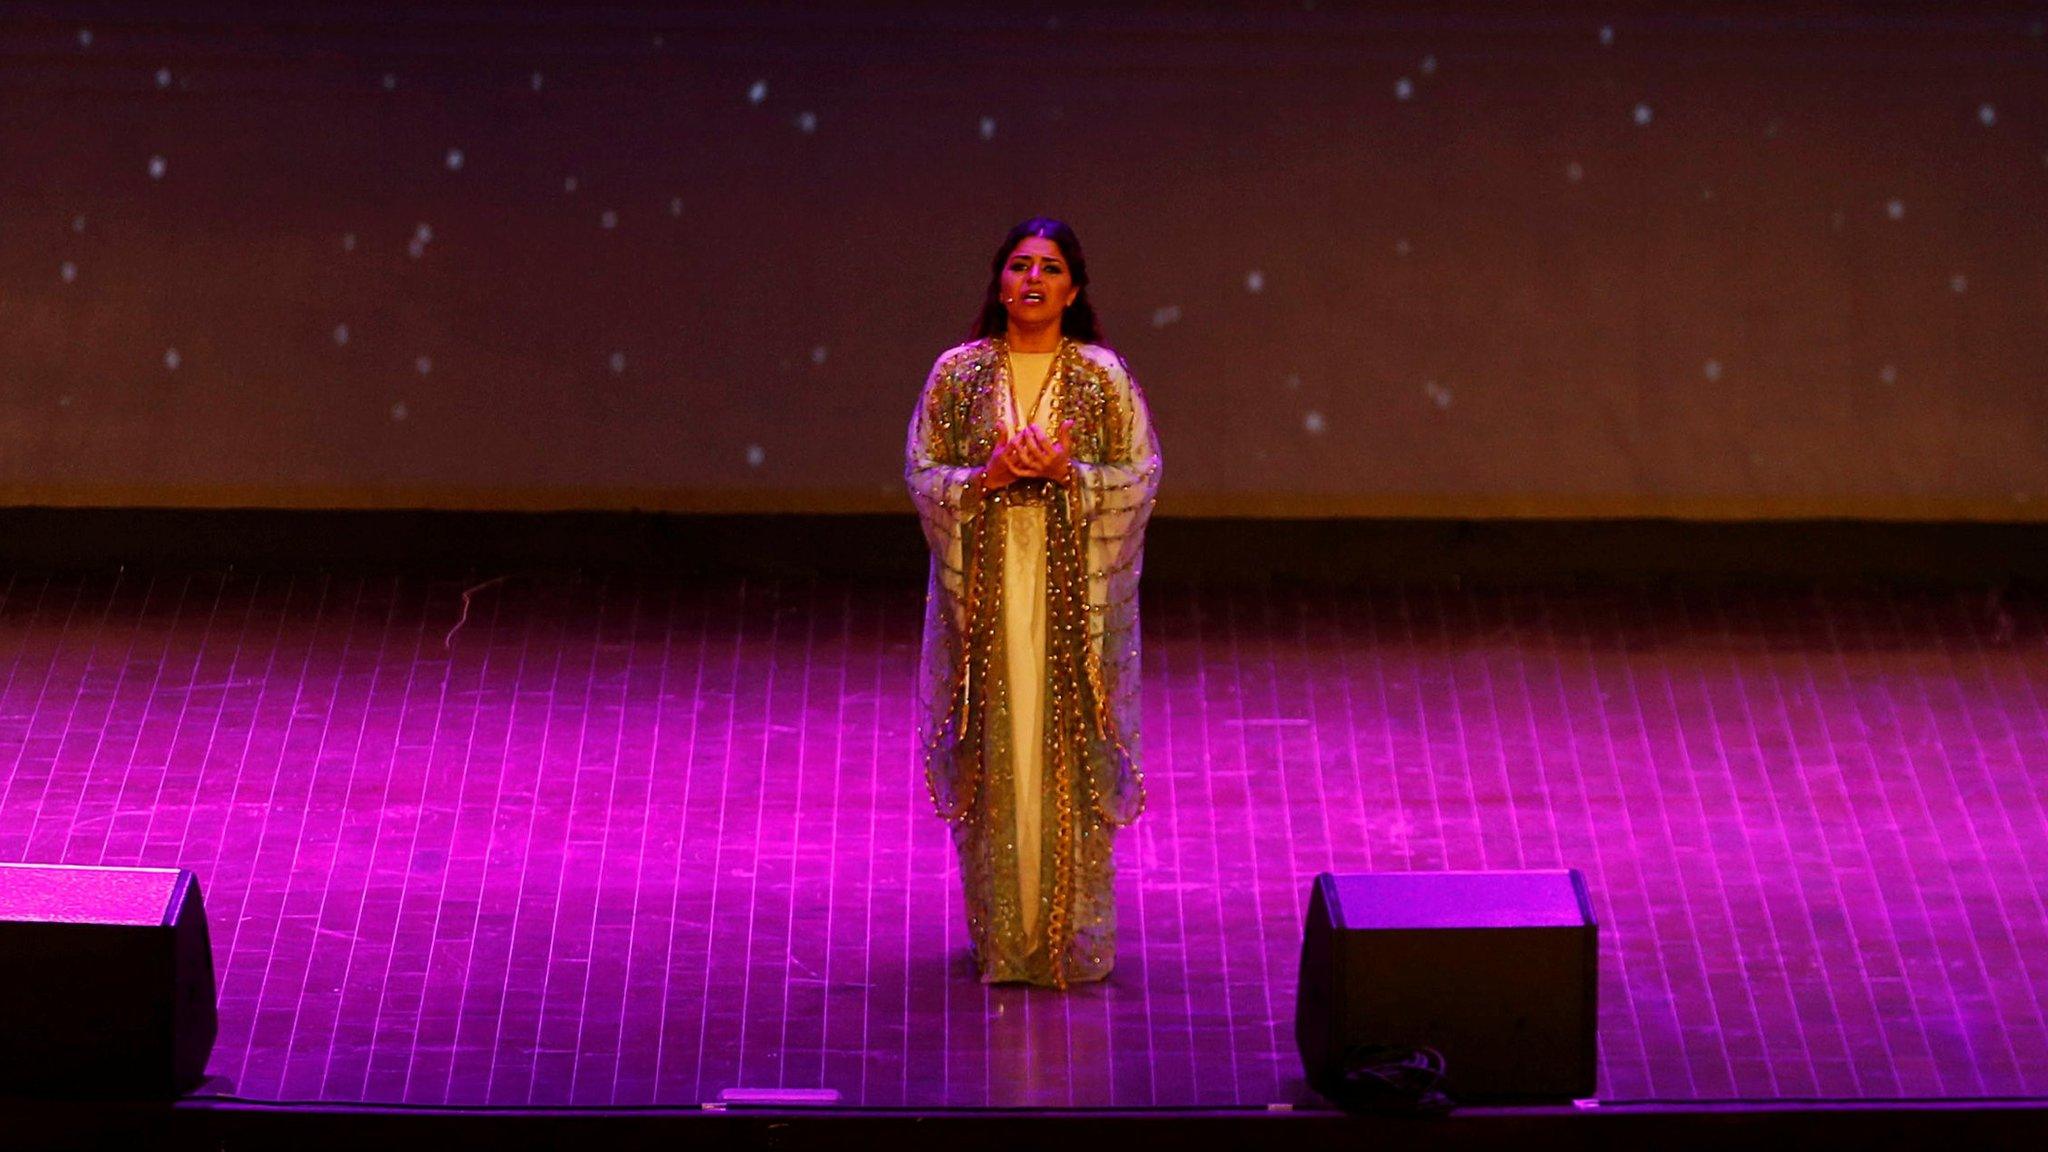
<point x="1665" y="261"/>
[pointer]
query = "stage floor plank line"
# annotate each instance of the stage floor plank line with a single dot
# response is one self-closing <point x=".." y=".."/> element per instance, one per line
<point x="617" y="841"/>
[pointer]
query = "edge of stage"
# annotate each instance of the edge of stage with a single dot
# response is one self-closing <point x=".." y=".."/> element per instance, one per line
<point x="226" y="1126"/>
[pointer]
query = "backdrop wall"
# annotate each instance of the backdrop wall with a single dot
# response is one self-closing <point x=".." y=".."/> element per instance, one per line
<point x="1715" y="260"/>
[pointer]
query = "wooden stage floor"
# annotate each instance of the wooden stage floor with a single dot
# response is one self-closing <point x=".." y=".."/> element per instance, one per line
<point x="625" y="842"/>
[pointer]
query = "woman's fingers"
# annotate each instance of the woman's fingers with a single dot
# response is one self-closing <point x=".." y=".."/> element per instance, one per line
<point x="1002" y="466"/>
<point x="1031" y="452"/>
<point x="1045" y="448"/>
<point x="1060" y="465"/>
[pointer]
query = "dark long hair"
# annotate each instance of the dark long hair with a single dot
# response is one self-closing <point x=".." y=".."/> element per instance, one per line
<point x="1078" y="321"/>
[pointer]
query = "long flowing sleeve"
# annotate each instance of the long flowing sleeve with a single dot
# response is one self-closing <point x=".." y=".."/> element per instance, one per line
<point x="1112" y="503"/>
<point x="1113" y="497"/>
<point x="943" y="476"/>
<point x="944" y="485"/>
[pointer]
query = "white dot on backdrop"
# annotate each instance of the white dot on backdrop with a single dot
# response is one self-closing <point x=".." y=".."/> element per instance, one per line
<point x="1607" y="34"/>
<point x="675" y="206"/>
<point x="1575" y="172"/>
<point x="1255" y="281"/>
<point x="423" y="365"/>
<point x="1437" y="393"/>
<point x="819" y="353"/>
<point x="78" y="223"/>
<point x="758" y="92"/>
<point x="1165" y="314"/>
<point x="988" y="127"/>
<point x="64" y="401"/>
<point x="172" y="359"/>
<point x="341" y="334"/>
<point x="1428" y="66"/>
<point x="67" y="272"/>
<point x="157" y="167"/>
<point x="1402" y="247"/>
<point x="415" y="247"/>
<point x="1642" y="115"/>
<point x="807" y="122"/>
<point x="755" y="455"/>
<point x="399" y="412"/>
<point x="390" y="82"/>
<point x="423" y="232"/>
<point x="163" y="77"/>
<point x="1293" y="380"/>
<point x="1896" y="209"/>
<point x="1987" y="115"/>
<point x="454" y="160"/>
<point x="536" y="81"/>
<point x="85" y="37"/>
<point x="1712" y="371"/>
<point x="1889" y="374"/>
<point x="617" y="362"/>
<point x="348" y="241"/>
<point x="568" y="184"/>
<point x="1958" y="283"/>
<point x="608" y="219"/>
<point x="1313" y="423"/>
<point x="1404" y="88"/>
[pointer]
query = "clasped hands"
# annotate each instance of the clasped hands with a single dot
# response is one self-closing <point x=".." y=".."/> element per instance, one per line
<point x="1032" y="455"/>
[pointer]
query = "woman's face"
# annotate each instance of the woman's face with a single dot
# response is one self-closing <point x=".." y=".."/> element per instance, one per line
<point x="1036" y="285"/>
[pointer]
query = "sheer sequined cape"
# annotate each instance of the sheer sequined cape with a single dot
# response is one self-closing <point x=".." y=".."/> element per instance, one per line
<point x="1094" y="546"/>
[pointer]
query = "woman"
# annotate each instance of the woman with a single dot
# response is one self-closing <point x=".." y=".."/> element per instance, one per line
<point x="1032" y="464"/>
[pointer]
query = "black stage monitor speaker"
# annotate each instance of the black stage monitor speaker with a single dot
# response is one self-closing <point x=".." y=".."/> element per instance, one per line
<point x="1497" y="971"/>
<point x="106" y="981"/>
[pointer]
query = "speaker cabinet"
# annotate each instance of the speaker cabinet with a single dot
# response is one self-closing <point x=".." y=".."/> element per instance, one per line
<point x="1498" y="971"/>
<point x="106" y="981"/>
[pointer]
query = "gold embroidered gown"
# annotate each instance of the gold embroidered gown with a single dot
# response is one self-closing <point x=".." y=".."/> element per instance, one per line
<point x="1029" y="673"/>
